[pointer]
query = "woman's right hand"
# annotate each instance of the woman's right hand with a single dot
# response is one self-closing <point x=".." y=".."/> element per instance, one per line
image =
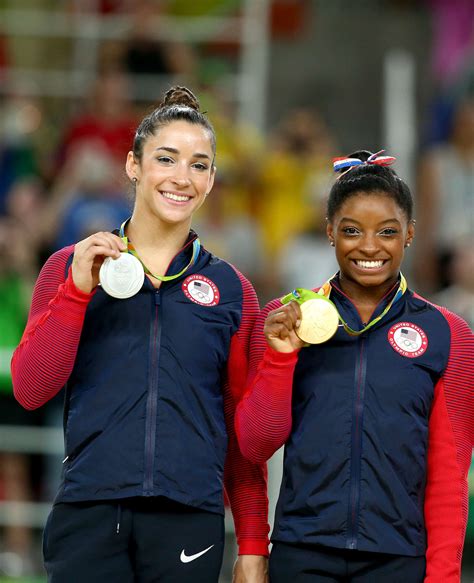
<point x="89" y="254"/>
<point x="280" y="328"/>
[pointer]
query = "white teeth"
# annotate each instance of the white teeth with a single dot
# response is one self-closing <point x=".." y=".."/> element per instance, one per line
<point x="369" y="264"/>
<point x="176" y="197"/>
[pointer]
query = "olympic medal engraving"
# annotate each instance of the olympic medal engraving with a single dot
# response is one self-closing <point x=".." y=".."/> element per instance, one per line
<point x="319" y="321"/>
<point x="122" y="277"/>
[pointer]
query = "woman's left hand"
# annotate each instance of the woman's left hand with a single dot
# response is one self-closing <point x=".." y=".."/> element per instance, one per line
<point x="251" y="569"/>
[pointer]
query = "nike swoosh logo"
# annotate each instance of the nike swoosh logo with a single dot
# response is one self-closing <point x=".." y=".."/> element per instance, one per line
<point x="188" y="558"/>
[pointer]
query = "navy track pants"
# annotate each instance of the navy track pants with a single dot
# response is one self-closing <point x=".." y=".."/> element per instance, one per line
<point x="139" y="540"/>
<point x="317" y="564"/>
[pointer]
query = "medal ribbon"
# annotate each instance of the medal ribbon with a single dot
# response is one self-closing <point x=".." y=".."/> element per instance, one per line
<point x="132" y="251"/>
<point x="302" y="295"/>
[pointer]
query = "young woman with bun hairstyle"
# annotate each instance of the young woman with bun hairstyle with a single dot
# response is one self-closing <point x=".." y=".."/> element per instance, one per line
<point x="148" y="333"/>
<point x="370" y="388"/>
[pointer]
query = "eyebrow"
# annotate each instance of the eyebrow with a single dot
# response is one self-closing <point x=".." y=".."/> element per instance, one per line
<point x="175" y="151"/>
<point x="349" y="219"/>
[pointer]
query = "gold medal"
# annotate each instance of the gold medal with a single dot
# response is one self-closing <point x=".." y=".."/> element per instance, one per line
<point x="319" y="321"/>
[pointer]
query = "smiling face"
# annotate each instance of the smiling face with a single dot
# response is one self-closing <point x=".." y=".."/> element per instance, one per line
<point x="370" y="232"/>
<point x="175" y="172"/>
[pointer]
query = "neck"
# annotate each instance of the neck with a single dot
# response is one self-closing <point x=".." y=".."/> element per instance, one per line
<point x="146" y="232"/>
<point x="368" y="296"/>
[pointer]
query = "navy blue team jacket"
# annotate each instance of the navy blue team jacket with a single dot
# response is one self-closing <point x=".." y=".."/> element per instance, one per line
<point x="363" y="411"/>
<point x="156" y="360"/>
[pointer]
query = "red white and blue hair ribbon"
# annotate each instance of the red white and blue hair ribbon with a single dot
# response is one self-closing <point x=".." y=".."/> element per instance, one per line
<point x="345" y="163"/>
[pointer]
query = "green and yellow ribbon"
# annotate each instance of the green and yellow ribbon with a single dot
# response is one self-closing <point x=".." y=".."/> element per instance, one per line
<point x="131" y="249"/>
<point x="301" y="295"/>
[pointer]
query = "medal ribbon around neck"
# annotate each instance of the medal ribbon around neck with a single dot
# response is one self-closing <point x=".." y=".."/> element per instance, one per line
<point x="301" y="295"/>
<point x="132" y="251"/>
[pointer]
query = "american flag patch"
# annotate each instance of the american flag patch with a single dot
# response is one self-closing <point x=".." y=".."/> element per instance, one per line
<point x="408" y="339"/>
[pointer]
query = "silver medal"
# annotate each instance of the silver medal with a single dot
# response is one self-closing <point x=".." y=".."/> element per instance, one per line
<point x="123" y="277"/>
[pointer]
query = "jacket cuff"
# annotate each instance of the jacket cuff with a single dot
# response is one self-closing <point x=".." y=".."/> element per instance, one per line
<point x="253" y="547"/>
<point x="282" y="358"/>
<point x="73" y="292"/>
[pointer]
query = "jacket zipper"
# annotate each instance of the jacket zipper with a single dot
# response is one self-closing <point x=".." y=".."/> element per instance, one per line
<point x="152" y="399"/>
<point x="356" y="444"/>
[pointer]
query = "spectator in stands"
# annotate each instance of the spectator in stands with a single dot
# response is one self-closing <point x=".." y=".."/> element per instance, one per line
<point x="17" y="265"/>
<point x="19" y="119"/>
<point x="107" y="121"/>
<point x="231" y="224"/>
<point x="26" y="206"/>
<point x="446" y="196"/>
<point x="459" y="295"/>
<point x="146" y="53"/>
<point x="88" y="195"/>
<point x="306" y="257"/>
<point x="292" y="170"/>
<point x="151" y="54"/>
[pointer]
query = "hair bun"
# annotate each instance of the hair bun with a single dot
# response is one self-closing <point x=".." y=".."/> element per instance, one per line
<point x="180" y="96"/>
<point x="362" y="155"/>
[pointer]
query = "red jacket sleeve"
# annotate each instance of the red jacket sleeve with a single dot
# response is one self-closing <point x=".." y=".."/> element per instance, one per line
<point x="451" y="438"/>
<point x="245" y="482"/>
<point x="263" y="416"/>
<point x="44" y="359"/>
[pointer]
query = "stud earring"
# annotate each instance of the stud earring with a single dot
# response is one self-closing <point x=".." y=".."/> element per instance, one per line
<point x="134" y="179"/>
<point x="407" y="244"/>
<point x="331" y="243"/>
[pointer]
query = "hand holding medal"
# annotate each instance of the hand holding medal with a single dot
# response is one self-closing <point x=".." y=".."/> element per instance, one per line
<point x="319" y="316"/>
<point x="305" y="318"/>
<point x="280" y="328"/>
<point x="89" y="256"/>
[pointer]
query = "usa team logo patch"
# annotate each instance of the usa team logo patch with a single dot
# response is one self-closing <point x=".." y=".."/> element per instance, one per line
<point x="201" y="290"/>
<point x="408" y="339"/>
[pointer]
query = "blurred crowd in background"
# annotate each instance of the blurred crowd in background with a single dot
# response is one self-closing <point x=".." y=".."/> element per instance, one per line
<point x="62" y="177"/>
